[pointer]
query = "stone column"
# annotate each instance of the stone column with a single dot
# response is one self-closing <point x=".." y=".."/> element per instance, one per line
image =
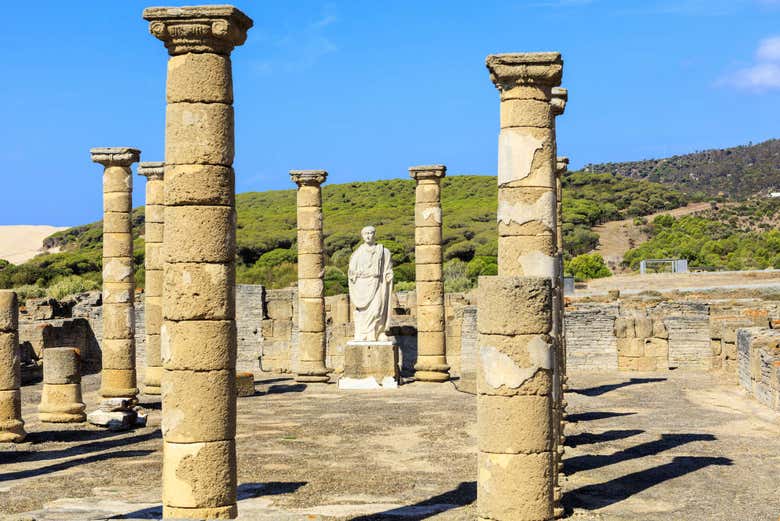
<point x="558" y="104"/>
<point x="517" y="354"/>
<point x="11" y="423"/>
<point x="310" y="366"/>
<point x="198" y="336"/>
<point x="153" y="239"/>
<point x="431" y="363"/>
<point x="118" y="378"/>
<point x="61" y="400"/>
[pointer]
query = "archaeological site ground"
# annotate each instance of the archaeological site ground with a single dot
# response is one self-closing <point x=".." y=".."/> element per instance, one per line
<point x="524" y="347"/>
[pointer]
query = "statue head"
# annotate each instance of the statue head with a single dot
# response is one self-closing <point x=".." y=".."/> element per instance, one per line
<point x="368" y="233"/>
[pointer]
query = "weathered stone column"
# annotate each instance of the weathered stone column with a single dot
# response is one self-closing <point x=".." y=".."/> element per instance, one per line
<point x="118" y="377"/>
<point x="558" y="104"/>
<point x="310" y="366"/>
<point x="431" y="363"/>
<point x="153" y="238"/>
<point x="517" y="354"/>
<point x="11" y="423"/>
<point x="198" y="336"/>
<point x="61" y="400"/>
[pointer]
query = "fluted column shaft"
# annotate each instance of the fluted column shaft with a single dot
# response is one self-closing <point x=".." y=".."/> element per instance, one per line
<point x="198" y="336"/>
<point x="515" y="319"/>
<point x="431" y="365"/>
<point x="11" y="423"/>
<point x="118" y="375"/>
<point x="154" y="222"/>
<point x="310" y="365"/>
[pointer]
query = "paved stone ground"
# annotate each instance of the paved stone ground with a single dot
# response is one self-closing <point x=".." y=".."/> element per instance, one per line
<point x="669" y="446"/>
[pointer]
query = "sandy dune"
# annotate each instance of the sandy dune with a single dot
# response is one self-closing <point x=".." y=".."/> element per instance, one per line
<point x="19" y="243"/>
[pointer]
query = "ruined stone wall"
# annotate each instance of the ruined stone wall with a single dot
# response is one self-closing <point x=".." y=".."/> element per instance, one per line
<point x="649" y="335"/>
<point x="758" y="355"/>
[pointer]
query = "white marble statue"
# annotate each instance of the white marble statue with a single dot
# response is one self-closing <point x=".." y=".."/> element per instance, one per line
<point x="371" y="288"/>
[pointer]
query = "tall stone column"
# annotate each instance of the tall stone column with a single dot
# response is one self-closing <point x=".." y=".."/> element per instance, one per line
<point x="311" y="277"/>
<point x="11" y="423"/>
<point x="153" y="238"/>
<point x="431" y="363"/>
<point x="558" y="103"/>
<point x="515" y="322"/>
<point x="198" y="336"/>
<point x="118" y="377"/>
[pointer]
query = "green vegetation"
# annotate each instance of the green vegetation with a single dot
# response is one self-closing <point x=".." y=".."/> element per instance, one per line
<point x="587" y="266"/>
<point x="266" y="230"/>
<point x="733" y="238"/>
<point x="592" y="199"/>
<point x="730" y="174"/>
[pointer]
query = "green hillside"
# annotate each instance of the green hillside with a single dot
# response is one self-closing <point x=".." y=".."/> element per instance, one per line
<point x="726" y="237"/>
<point x="266" y="229"/>
<point x="731" y="173"/>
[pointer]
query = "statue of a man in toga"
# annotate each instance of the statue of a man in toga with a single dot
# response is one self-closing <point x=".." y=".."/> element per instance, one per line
<point x="371" y="287"/>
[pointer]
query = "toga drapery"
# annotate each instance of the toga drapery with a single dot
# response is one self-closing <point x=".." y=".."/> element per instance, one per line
<point x="370" y="289"/>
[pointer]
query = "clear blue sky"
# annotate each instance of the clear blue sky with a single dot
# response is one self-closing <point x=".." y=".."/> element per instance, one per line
<point x="366" y="89"/>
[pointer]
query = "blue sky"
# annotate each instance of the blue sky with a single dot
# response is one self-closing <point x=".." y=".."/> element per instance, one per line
<point x="367" y="89"/>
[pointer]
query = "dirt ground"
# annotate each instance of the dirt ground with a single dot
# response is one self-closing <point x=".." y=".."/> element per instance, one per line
<point x="664" y="446"/>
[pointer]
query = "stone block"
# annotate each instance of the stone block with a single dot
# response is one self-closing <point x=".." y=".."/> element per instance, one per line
<point x="117" y="353"/>
<point x="430" y="235"/>
<point x="643" y="326"/>
<point x="526" y="113"/>
<point x="310" y="218"/>
<point x="428" y="272"/>
<point x="311" y="346"/>
<point x="153" y="232"/>
<point x="10" y="372"/>
<point x="626" y="363"/>
<point x="61" y="365"/>
<point x="117" y="292"/>
<point x="526" y="157"/>
<point x="527" y="255"/>
<point x="729" y="350"/>
<point x="631" y="347"/>
<point x="118" y="321"/>
<point x="114" y="421"/>
<point x="118" y="383"/>
<point x="515" y="365"/>
<point x="117" y="202"/>
<point x="199" y="133"/>
<point x="117" y="179"/>
<point x="514" y="424"/>
<point x="310" y="241"/>
<point x="526" y="211"/>
<point x="199" y="185"/>
<point x="430" y="293"/>
<point x="503" y="478"/>
<point x="659" y="329"/>
<point x="427" y="193"/>
<point x="717" y="347"/>
<point x="199" y="405"/>
<point x="646" y="363"/>
<point x="430" y="318"/>
<point x="199" y="291"/>
<point x="624" y="327"/>
<point x="428" y="254"/>
<point x="656" y="347"/>
<point x="200" y="234"/>
<point x="118" y="245"/>
<point x="311" y="288"/>
<point x="201" y="345"/>
<point x="9" y="311"/>
<point x="61" y="404"/>
<point x="196" y="77"/>
<point x="514" y="305"/>
<point x="311" y="265"/>
<point x="116" y="222"/>
<point x="311" y="315"/>
<point x="199" y="475"/>
<point x="155" y="213"/>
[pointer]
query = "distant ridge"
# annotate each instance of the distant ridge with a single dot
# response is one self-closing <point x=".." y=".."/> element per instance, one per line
<point x="733" y="173"/>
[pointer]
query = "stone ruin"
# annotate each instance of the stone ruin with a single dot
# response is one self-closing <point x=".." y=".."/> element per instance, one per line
<point x="201" y="338"/>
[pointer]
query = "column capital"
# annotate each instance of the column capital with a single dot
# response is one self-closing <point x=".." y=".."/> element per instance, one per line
<point x="198" y="29"/>
<point x="562" y="165"/>
<point x="152" y="170"/>
<point x="115" y="156"/>
<point x="525" y="69"/>
<point x="427" y="172"/>
<point x="559" y="98"/>
<point x="308" y="177"/>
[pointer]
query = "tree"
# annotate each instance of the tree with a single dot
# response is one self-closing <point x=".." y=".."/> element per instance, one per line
<point x="588" y="266"/>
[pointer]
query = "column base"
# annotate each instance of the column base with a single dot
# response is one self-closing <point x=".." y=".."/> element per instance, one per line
<point x="310" y="378"/>
<point x="431" y="369"/>
<point x="227" y="512"/>
<point x="12" y="431"/>
<point x="152" y="379"/>
<point x="62" y="417"/>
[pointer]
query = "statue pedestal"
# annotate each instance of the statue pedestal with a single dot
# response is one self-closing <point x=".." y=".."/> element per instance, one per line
<point x="370" y="365"/>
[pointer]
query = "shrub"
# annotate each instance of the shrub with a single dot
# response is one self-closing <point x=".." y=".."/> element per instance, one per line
<point x="70" y="285"/>
<point x="588" y="266"/>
